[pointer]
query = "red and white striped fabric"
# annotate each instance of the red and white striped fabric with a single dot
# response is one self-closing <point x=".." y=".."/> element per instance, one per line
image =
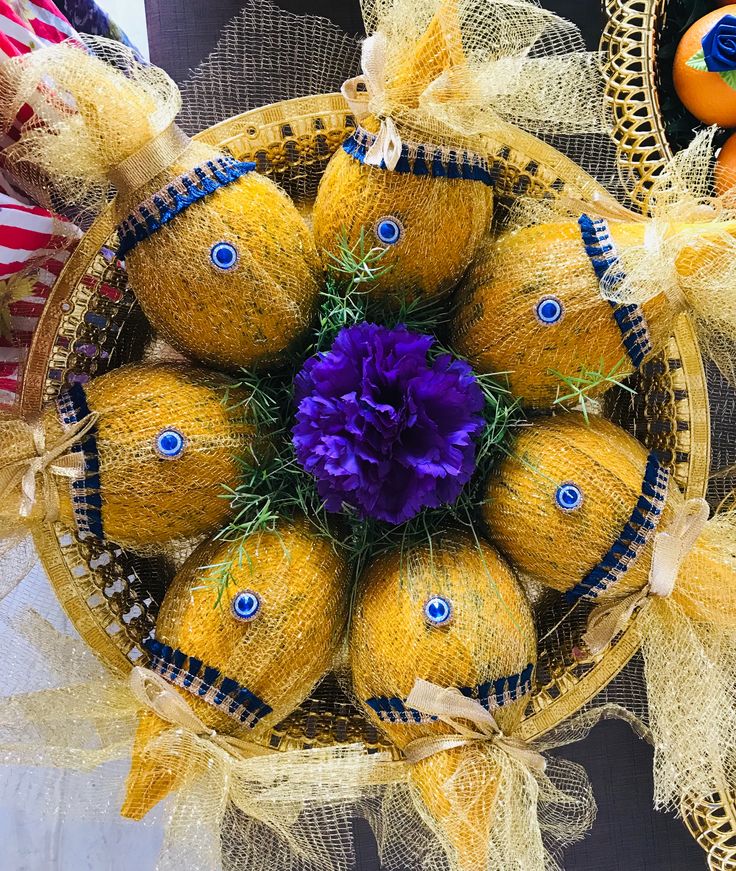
<point x="29" y="235"/>
<point x="24" y="26"/>
<point x="31" y="239"/>
<point x="28" y="24"/>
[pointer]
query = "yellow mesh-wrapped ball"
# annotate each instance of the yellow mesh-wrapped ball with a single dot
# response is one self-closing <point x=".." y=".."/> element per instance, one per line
<point x="455" y="615"/>
<point x="430" y="227"/>
<point x="531" y="306"/>
<point x="260" y="649"/>
<point x="584" y="509"/>
<point x="220" y="259"/>
<point x="429" y="211"/>
<point x="140" y="456"/>
<point x="232" y="280"/>
<point x="567" y="295"/>
<point x="574" y="500"/>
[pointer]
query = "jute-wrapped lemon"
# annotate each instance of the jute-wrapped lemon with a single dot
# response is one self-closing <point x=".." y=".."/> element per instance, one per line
<point x="568" y="302"/>
<point x="444" y="83"/>
<point x="578" y="507"/>
<point x="221" y="261"/>
<point x="454" y="615"/>
<point x="587" y="510"/>
<point x="139" y="456"/>
<point x="243" y="663"/>
<point x="532" y="307"/>
<point x="418" y="189"/>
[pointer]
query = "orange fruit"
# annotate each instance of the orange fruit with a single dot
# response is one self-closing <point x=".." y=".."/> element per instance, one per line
<point x="726" y="166"/>
<point x="704" y="93"/>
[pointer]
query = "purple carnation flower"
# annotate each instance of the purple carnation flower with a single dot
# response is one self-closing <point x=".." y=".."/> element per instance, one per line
<point x="382" y="428"/>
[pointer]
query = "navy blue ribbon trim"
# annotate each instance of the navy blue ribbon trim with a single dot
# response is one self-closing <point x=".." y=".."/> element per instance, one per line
<point x="163" y="206"/>
<point x="190" y="673"/>
<point x="491" y="694"/>
<point x="86" y="496"/>
<point x="632" y="538"/>
<point x="630" y="318"/>
<point x="430" y="160"/>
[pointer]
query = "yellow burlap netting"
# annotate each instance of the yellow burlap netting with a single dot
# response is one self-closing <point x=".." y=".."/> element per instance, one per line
<point x="679" y="258"/>
<point x="139" y="455"/>
<point x="475" y="785"/>
<point x="582" y="508"/>
<point x="248" y="288"/>
<point x="437" y="79"/>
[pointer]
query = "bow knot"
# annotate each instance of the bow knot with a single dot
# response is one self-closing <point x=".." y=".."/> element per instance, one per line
<point x="156" y="694"/>
<point x="670" y="548"/>
<point x="366" y="95"/>
<point x="449" y="705"/>
<point x="47" y="461"/>
<point x="12" y="289"/>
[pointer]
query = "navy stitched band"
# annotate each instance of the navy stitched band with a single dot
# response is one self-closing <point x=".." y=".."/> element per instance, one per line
<point x="72" y="407"/>
<point x="632" y="538"/>
<point x="491" y="694"/>
<point x="431" y="160"/>
<point x="191" y="674"/>
<point x="601" y="250"/>
<point x="160" y="208"/>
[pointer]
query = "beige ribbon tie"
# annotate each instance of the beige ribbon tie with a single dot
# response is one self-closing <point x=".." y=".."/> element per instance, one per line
<point x="366" y="95"/>
<point x="56" y="460"/>
<point x="670" y="548"/>
<point x="449" y="705"/>
<point x="159" y="696"/>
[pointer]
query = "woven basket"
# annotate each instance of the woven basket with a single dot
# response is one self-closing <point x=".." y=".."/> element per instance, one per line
<point x="92" y="323"/>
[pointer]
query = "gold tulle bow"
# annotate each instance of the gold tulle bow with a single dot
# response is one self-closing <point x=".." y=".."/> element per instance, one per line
<point x="685" y="214"/>
<point x="671" y="546"/>
<point x="366" y="95"/>
<point x="155" y="693"/>
<point x="449" y="705"/>
<point x="11" y="290"/>
<point x="57" y="459"/>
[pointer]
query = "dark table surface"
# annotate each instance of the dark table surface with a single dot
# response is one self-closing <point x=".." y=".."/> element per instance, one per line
<point x="628" y="835"/>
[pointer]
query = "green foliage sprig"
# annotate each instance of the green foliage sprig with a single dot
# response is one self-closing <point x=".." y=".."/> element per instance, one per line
<point x="587" y="381"/>
<point x="279" y="487"/>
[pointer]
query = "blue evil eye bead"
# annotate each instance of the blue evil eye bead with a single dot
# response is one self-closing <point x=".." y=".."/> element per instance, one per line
<point x="245" y="605"/>
<point x="224" y="256"/>
<point x="170" y="443"/>
<point x="549" y="310"/>
<point x="438" y="611"/>
<point x="569" y="497"/>
<point x="388" y="230"/>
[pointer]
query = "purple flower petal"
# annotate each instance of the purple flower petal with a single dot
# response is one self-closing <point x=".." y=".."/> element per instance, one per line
<point x="382" y="429"/>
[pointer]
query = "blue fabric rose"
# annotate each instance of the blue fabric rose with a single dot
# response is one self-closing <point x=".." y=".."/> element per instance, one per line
<point x="719" y="45"/>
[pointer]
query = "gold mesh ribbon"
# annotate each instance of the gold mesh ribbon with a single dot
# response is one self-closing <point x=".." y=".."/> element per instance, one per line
<point x="671" y="546"/>
<point x="146" y="163"/>
<point x="11" y="290"/>
<point x="48" y="461"/>
<point x="449" y="705"/>
<point x="688" y="251"/>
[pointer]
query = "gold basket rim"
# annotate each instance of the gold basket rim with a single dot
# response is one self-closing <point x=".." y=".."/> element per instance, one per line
<point x="257" y="128"/>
